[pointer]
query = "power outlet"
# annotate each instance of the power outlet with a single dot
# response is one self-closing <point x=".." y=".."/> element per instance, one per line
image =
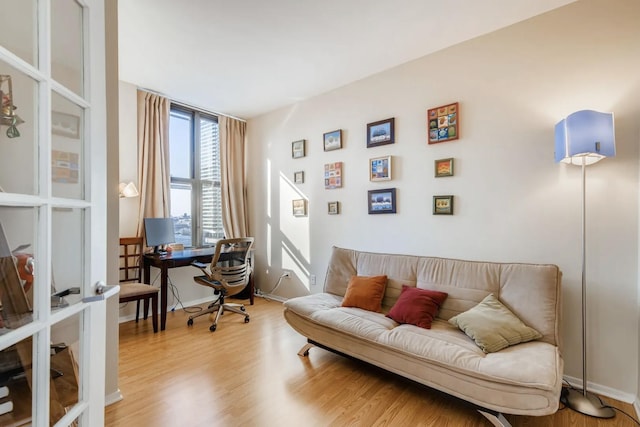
<point x="312" y="279"/>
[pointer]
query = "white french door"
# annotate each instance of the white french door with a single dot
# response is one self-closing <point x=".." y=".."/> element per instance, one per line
<point x="52" y="212"/>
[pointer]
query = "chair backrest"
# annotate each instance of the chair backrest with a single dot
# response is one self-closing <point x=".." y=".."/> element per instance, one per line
<point x="130" y="259"/>
<point x="235" y="270"/>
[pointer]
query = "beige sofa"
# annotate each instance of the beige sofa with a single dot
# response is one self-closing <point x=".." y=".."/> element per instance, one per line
<point x="524" y="379"/>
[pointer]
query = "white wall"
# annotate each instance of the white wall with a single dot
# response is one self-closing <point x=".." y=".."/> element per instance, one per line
<point x="512" y="202"/>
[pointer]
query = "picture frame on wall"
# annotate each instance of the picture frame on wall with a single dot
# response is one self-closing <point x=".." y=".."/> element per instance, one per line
<point x="382" y="201"/>
<point x="443" y="123"/>
<point x="64" y="124"/>
<point x="332" y="140"/>
<point x="333" y="208"/>
<point x="443" y="167"/>
<point x="381" y="133"/>
<point x="298" y="149"/>
<point x="333" y="175"/>
<point x="299" y="207"/>
<point x="443" y="205"/>
<point x="298" y="177"/>
<point x="380" y="168"/>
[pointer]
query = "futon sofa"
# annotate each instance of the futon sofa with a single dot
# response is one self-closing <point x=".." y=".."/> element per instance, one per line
<point x="523" y="379"/>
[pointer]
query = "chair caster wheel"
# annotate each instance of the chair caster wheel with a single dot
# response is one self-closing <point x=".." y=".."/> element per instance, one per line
<point x="212" y="328"/>
<point x="242" y="308"/>
<point x="246" y="320"/>
<point x="190" y="322"/>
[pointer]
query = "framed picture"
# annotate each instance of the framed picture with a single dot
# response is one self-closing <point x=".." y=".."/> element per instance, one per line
<point x="65" y="167"/>
<point x="299" y="207"/>
<point x="333" y="208"/>
<point x="444" y="167"/>
<point x="333" y="175"/>
<point x="298" y="177"/>
<point x="382" y="201"/>
<point x="380" y="133"/>
<point x="443" y="205"/>
<point x="64" y="124"/>
<point x="380" y="168"/>
<point x="332" y="140"/>
<point x="443" y="123"/>
<point x="297" y="149"/>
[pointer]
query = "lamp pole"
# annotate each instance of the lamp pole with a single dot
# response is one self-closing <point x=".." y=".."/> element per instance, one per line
<point x="581" y="400"/>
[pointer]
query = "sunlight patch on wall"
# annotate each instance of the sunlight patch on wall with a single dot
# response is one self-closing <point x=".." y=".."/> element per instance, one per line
<point x="295" y="238"/>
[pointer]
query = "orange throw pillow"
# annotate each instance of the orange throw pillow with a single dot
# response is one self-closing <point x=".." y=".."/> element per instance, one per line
<point x="365" y="292"/>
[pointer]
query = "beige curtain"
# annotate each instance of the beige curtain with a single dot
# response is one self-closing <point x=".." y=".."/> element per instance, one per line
<point x="153" y="157"/>
<point x="235" y="218"/>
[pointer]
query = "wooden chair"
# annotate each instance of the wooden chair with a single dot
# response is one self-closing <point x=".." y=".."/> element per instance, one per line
<point x="130" y="277"/>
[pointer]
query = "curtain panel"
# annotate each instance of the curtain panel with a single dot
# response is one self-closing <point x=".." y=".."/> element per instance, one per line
<point x="233" y="181"/>
<point x="153" y="157"/>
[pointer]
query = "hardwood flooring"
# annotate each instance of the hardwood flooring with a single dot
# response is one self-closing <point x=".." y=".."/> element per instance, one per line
<point x="250" y="375"/>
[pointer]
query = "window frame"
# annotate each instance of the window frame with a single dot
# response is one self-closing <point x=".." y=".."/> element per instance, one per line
<point x="195" y="181"/>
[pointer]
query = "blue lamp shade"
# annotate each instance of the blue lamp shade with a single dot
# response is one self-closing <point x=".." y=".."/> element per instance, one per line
<point x="585" y="135"/>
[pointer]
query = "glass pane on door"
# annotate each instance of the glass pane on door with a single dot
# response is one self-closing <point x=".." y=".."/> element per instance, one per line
<point x="18" y="28"/>
<point x="67" y="255"/>
<point x="65" y="354"/>
<point x="17" y="246"/>
<point x="67" y="159"/>
<point x="16" y="383"/>
<point x="66" y="44"/>
<point x="18" y="131"/>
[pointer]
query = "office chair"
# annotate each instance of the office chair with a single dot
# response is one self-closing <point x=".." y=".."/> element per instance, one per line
<point x="130" y="277"/>
<point x="228" y="274"/>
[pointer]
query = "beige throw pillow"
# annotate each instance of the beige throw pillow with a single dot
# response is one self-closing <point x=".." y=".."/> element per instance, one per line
<point x="493" y="326"/>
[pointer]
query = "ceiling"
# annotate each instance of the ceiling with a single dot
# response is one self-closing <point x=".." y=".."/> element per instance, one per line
<point x="247" y="57"/>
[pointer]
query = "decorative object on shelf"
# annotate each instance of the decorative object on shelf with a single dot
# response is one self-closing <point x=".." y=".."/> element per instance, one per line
<point x="333" y="175"/>
<point x="8" y="116"/>
<point x="382" y="201"/>
<point x="443" y="167"/>
<point x="300" y="207"/>
<point x="333" y="208"/>
<point x="380" y="133"/>
<point x="332" y="140"/>
<point x="298" y="177"/>
<point x="443" y="205"/>
<point x="64" y="124"/>
<point x="444" y="123"/>
<point x="297" y="149"/>
<point x="380" y="168"/>
<point x="128" y="189"/>
<point x="583" y="138"/>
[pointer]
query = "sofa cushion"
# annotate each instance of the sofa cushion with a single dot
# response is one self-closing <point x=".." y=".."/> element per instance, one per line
<point x="493" y="326"/>
<point x="417" y="306"/>
<point x="365" y="292"/>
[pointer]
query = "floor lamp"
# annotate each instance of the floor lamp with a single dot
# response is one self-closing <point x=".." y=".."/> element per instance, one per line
<point x="583" y="138"/>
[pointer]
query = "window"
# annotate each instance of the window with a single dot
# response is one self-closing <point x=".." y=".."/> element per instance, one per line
<point x="194" y="162"/>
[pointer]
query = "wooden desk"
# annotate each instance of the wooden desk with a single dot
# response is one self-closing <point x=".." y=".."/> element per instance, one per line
<point x="179" y="259"/>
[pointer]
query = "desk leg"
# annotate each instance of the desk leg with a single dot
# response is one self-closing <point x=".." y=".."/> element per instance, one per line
<point x="164" y="273"/>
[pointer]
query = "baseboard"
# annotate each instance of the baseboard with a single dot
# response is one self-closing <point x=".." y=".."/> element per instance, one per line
<point x="271" y="297"/>
<point x="605" y="391"/>
<point x="636" y="407"/>
<point x="112" y="398"/>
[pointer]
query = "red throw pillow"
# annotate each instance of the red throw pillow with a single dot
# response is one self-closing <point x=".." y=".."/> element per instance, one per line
<point x="365" y="292"/>
<point x="417" y="306"/>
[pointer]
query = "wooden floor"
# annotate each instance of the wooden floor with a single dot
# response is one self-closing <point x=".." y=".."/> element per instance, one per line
<point x="250" y="375"/>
